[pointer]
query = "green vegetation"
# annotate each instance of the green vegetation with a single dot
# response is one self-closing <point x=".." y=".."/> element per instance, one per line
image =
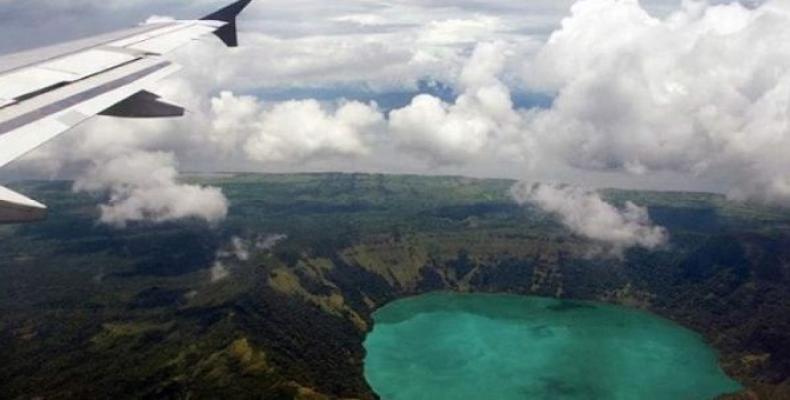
<point x="89" y="311"/>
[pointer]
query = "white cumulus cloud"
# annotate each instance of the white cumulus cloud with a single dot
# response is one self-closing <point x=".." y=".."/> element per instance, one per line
<point x="587" y="214"/>
<point x="703" y="92"/>
<point x="483" y="115"/>
<point x="299" y="130"/>
<point x="292" y="131"/>
<point x="144" y="186"/>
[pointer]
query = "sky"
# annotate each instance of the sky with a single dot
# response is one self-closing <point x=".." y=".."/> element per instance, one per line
<point x="658" y="94"/>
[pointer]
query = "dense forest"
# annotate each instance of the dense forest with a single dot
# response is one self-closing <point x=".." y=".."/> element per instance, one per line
<point x="275" y="302"/>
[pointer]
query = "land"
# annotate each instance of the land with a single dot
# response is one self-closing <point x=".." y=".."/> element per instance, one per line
<point x="91" y="311"/>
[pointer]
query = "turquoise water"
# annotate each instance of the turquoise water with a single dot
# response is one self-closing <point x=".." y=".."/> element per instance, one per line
<point x="501" y="347"/>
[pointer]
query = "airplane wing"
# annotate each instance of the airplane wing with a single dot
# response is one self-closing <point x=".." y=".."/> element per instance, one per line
<point x="47" y="91"/>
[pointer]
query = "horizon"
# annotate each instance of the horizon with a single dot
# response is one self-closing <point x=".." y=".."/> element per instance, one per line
<point x="186" y="175"/>
<point x="495" y="90"/>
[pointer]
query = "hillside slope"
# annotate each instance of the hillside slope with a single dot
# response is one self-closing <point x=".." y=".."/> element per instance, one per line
<point x="275" y="302"/>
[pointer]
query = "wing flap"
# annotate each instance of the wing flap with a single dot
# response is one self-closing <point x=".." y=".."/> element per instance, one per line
<point x="33" y="123"/>
<point x="90" y="62"/>
<point x="30" y="80"/>
<point x="27" y="81"/>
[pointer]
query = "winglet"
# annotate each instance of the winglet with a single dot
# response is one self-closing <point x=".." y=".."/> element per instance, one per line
<point x="228" y="33"/>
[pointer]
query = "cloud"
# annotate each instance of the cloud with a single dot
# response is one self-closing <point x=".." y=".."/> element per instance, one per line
<point x="239" y="250"/>
<point x="144" y="186"/>
<point x="158" y="19"/>
<point x="268" y="242"/>
<point x="235" y="251"/>
<point x="291" y="131"/>
<point x="702" y="92"/>
<point x="587" y="214"/>
<point x="459" y="31"/>
<point x="363" y="19"/>
<point x="689" y="98"/>
<point x="296" y="131"/>
<point x="456" y="133"/>
<point x="218" y="272"/>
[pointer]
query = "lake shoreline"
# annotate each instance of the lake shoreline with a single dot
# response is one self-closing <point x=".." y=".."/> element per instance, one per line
<point x="560" y="305"/>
